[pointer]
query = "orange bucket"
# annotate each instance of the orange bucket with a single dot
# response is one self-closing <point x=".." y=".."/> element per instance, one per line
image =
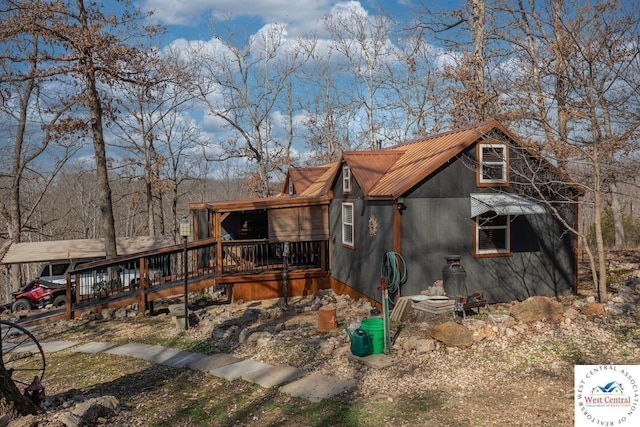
<point x="327" y="318"/>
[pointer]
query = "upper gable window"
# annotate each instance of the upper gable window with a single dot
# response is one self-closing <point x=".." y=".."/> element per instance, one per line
<point x="290" y="187"/>
<point x="493" y="160"/>
<point x="346" y="179"/>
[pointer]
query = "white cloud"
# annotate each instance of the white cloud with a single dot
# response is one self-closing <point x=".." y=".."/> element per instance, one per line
<point x="301" y="14"/>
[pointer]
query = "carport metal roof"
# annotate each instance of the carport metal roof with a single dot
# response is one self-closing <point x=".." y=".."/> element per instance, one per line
<point x="62" y="250"/>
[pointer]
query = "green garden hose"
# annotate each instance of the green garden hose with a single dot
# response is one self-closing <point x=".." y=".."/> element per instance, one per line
<point x="392" y="263"/>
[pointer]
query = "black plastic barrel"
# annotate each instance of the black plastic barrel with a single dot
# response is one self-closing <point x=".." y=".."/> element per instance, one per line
<point x="454" y="277"/>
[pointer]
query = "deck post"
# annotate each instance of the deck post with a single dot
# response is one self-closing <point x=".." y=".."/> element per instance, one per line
<point x="69" y="311"/>
<point x="144" y="277"/>
<point x="185" y="231"/>
<point x="218" y="236"/>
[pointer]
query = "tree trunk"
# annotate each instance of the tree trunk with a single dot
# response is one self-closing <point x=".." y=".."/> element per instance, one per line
<point x="151" y="215"/>
<point x="95" y="106"/>
<point x="618" y="217"/>
<point x="561" y="89"/>
<point x="479" y="23"/>
<point x="12" y="401"/>
<point x="602" y="265"/>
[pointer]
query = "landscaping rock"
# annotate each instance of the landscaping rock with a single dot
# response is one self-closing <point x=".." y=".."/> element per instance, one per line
<point x="425" y="346"/>
<point x="501" y="320"/>
<point x="452" y="334"/>
<point x="26" y="421"/>
<point x="593" y="309"/>
<point x="89" y="412"/>
<point x="571" y="313"/>
<point x="537" y="308"/>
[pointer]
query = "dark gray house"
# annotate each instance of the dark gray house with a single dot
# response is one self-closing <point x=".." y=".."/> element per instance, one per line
<point x="474" y="192"/>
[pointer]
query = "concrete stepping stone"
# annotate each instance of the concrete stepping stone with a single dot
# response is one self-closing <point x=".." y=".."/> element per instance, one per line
<point x="317" y="387"/>
<point x="168" y="356"/>
<point x="209" y="363"/>
<point x="130" y="349"/>
<point x="47" y="347"/>
<point x="156" y="353"/>
<point x="183" y="359"/>
<point x="376" y="361"/>
<point x="238" y="369"/>
<point x="274" y="375"/>
<point x="9" y="346"/>
<point x="93" y="347"/>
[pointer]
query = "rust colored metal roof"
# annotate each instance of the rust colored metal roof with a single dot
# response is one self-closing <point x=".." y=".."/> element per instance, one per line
<point x="368" y="167"/>
<point x="421" y="158"/>
<point x="388" y="173"/>
<point x="382" y="174"/>
<point x="322" y="185"/>
<point x="303" y="177"/>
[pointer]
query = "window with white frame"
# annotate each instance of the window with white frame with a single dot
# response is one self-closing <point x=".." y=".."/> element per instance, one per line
<point x="492" y="234"/>
<point x="346" y="179"/>
<point x="347" y="224"/>
<point x="290" y="187"/>
<point x="493" y="163"/>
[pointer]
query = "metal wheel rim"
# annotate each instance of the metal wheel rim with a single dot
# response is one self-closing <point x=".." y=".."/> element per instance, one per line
<point x="23" y="357"/>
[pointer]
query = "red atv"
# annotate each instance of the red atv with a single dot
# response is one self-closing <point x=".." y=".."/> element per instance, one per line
<point x="39" y="293"/>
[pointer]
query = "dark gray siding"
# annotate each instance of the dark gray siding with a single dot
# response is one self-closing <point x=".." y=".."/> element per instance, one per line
<point x="437" y="223"/>
<point x="541" y="264"/>
<point x="359" y="267"/>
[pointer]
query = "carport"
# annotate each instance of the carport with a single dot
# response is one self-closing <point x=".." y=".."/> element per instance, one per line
<point x="74" y="251"/>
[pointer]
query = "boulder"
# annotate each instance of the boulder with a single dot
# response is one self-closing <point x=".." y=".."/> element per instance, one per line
<point x="480" y="329"/>
<point x="501" y="320"/>
<point x="593" y="309"/>
<point x="89" y="412"/>
<point x="571" y="313"/>
<point x="537" y="308"/>
<point x="425" y="346"/>
<point x="452" y="334"/>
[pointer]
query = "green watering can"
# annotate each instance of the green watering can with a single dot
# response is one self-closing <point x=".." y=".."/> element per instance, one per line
<point x="360" y="342"/>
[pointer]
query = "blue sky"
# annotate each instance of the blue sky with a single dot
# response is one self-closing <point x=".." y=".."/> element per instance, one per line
<point x="189" y="21"/>
<point x="189" y="18"/>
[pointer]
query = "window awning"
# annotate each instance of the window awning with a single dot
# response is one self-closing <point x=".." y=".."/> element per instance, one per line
<point x="504" y="204"/>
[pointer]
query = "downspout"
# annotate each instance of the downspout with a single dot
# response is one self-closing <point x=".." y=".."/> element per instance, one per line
<point x="397" y="225"/>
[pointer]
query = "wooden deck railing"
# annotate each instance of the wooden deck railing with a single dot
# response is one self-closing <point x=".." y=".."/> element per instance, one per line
<point x="136" y="275"/>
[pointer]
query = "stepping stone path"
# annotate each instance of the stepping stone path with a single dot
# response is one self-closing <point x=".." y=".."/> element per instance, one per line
<point x="314" y="387"/>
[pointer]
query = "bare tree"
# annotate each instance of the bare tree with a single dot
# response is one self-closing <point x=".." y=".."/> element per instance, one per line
<point x="327" y="107"/>
<point x="464" y="31"/>
<point x="84" y="48"/>
<point x="241" y="84"/>
<point x="415" y="100"/>
<point x="364" y="42"/>
<point x="35" y="127"/>
<point x="147" y="102"/>
<point x="93" y="48"/>
<point x="179" y="139"/>
<point x="575" y="89"/>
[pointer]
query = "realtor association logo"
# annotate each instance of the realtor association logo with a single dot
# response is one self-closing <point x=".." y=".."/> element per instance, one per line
<point x="607" y="395"/>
